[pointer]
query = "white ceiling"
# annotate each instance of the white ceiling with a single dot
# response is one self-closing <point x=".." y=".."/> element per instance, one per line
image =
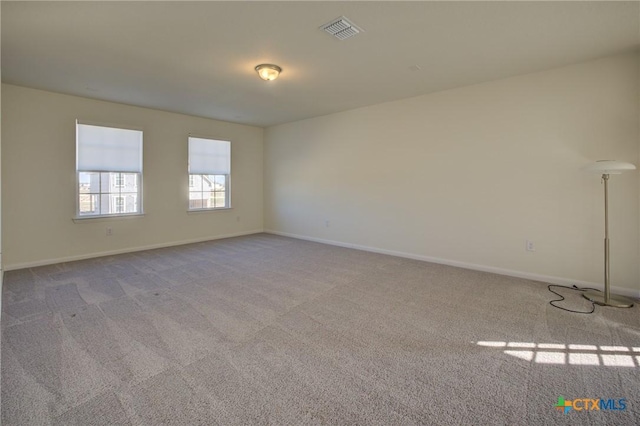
<point x="198" y="58"/>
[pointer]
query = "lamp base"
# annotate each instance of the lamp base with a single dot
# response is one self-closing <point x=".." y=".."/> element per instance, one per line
<point x="614" y="300"/>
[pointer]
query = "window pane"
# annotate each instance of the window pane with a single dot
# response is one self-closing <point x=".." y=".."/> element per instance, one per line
<point x="107" y="204"/>
<point x="207" y="196"/>
<point x="107" y="182"/>
<point x="220" y="182"/>
<point x="130" y="182"/>
<point x="197" y="183"/>
<point x="220" y="199"/>
<point x="129" y="203"/>
<point x="197" y="203"/>
<point x="88" y="182"/>
<point x="88" y="204"/>
<point x="207" y="182"/>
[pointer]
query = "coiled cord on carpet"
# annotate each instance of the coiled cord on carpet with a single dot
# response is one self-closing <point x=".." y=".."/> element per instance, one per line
<point x="574" y="287"/>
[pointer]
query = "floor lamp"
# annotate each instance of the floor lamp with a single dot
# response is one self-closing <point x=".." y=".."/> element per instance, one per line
<point x="606" y="168"/>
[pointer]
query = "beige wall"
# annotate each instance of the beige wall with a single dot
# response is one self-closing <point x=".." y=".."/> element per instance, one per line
<point x="38" y="179"/>
<point x="465" y="176"/>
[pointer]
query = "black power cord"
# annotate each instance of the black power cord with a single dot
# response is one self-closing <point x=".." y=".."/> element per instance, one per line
<point x="574" y="287"/>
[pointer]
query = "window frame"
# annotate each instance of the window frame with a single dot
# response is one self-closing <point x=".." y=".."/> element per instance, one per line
<point x="191" y="177"/>
<point x="139" y="190"/>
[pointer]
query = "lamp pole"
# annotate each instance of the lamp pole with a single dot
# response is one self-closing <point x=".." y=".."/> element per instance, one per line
<point x="607" y="274"/>
<point x="596" y="296"/>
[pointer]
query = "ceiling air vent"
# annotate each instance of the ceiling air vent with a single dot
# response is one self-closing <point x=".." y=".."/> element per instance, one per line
<point x="341" y="28"/>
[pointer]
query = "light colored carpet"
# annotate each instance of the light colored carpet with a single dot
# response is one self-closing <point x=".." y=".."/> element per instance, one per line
<point x="270" y="330"/>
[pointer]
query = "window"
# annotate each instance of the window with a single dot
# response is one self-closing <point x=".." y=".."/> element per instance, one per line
<point x="209" y="172"/>
<point x="109" y="171"/>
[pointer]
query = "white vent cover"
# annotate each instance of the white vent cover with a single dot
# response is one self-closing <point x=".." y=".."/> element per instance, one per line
<point x="341" y="28"/>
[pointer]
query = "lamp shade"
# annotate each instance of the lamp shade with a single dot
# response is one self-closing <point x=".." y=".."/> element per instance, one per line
<point x="609" y="167"/>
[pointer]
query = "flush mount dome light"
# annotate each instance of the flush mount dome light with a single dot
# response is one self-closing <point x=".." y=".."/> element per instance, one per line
<point x="268" y="72"/>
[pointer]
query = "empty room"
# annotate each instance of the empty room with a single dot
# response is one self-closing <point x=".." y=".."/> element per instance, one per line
<point x="299" y="212"/>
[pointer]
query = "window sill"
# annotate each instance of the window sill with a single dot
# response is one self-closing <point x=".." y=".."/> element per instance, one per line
<point x="84" y="219"/>
<point x="196" y="211"/>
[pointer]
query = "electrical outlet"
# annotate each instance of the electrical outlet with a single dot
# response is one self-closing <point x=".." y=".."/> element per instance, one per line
<point x="327" y="223"/>
<point x="109" y="231"/>
<point x="237" y="218"/>
<point x="529" y="245"/>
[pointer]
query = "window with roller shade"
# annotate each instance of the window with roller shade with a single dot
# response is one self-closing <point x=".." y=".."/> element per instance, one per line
<point x="109" y="171"/>
<point x="209" y="174"/>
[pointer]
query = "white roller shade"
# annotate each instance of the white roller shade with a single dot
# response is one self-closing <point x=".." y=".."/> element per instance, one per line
<point x="108" y="149"/>
<point x="209" y="156"/>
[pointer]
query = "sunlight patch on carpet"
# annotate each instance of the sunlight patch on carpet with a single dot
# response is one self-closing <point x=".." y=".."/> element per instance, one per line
<point x="572" y="354"/>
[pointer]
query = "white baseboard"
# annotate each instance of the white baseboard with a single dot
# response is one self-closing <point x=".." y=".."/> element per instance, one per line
<point x="500" y="271"/>
<point x="14" y="266"/>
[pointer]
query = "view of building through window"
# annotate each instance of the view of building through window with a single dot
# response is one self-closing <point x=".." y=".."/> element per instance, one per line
<point x="207" y="191"/>
<point x="107" y="193"/>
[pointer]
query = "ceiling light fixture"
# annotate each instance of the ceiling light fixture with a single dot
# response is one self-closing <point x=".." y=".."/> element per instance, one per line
<point x="268" y="72"/>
